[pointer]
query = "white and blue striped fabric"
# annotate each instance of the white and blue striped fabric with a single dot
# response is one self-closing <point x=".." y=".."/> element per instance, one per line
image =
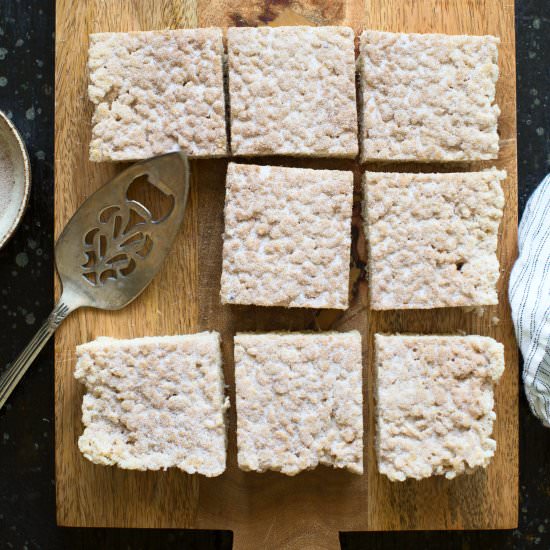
<point x="529" y="294"/>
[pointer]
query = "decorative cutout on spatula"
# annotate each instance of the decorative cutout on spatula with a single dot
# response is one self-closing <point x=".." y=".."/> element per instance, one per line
<point x="120" y="240"/>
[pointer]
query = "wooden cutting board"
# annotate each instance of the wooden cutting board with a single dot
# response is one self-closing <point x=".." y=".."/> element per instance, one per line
<point x="271" y="510"/>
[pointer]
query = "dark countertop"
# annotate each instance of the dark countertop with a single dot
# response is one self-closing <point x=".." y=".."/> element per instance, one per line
<point x="27" y="490"/>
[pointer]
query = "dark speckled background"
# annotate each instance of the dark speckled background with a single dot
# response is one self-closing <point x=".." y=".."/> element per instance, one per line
<point x="27" y="492"/>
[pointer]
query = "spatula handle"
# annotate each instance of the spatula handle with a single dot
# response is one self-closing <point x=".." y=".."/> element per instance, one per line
<point x="10" y="378"/>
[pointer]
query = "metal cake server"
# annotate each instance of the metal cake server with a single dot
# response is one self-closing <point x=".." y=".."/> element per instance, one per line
<point x="111" y="249"/>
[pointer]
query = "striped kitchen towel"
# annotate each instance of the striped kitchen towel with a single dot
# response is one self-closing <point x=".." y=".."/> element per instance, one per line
<point x="529" y="294"/>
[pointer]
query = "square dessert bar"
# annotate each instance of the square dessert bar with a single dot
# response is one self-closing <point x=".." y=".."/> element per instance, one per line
<point x="154" y="403"/>
<point x="287" y="237"/>
<point x="433" y="238"/>
<point x="428" y="97"/>
<point x="155" y="92"/>
<point x="292" y="91"/>
<point x="299" y="401"/>
<point x="434" y="404"/>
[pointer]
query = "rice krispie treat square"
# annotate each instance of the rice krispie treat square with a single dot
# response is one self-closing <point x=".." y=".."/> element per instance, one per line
<point x="428" y="97"/>
<point x="155" y="92"/>
<point x="299" y="401"/>
<point x="287" y="237"/>
<point x="292" y="91"/>
<point x="434" y="404"/>
<point x="154" y="402"/>
<point x="433" y="238"/>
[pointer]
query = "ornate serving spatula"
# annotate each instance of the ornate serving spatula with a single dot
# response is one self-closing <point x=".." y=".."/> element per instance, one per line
<point x="111" y="249"/>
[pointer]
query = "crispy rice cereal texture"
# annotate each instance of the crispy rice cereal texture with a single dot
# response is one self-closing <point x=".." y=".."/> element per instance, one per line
<point x="299" y="401"/>
<point x="292" y="91"/>
<point x="434" y="404"/>
<point x="154" y="402"/>
<point x="287" y="237"/>
<point x="428" y="97"/>
<point x="433" y="238"/>
<point x="155" y="92"/>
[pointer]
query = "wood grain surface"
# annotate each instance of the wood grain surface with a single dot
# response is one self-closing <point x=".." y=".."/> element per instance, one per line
<point x="270" y="510"/>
